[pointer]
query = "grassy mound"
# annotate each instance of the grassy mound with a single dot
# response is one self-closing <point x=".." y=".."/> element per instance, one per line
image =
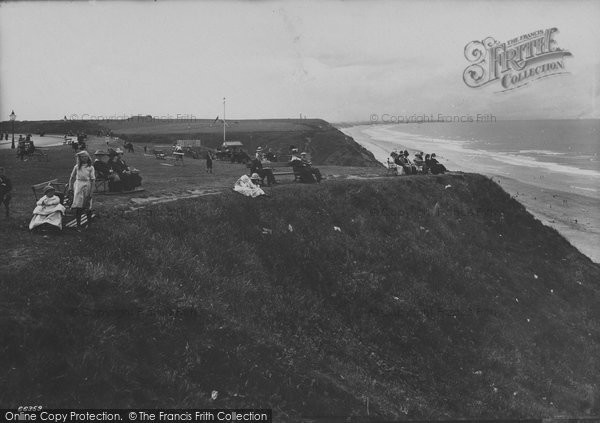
<point x="397" y="298"/>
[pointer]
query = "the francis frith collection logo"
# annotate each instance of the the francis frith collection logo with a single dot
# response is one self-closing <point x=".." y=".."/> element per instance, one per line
<point x="516" y="62"/>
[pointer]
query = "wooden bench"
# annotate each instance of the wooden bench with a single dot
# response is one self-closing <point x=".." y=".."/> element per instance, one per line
<point x="69" y="220"/>
<point x="61" y="189"/>
<point x="281" y="169"/>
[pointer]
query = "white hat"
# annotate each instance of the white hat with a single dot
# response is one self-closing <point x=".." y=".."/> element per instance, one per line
<point x="255" y="176"/>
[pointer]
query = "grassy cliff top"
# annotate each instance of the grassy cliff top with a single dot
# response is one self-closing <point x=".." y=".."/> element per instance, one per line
<point x="419" y="297"/>
<point x="325" y="143"/>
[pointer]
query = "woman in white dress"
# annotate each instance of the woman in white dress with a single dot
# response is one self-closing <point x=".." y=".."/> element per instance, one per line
<point x="245" y="186"/>
<point x="48" y="210"/>
<point x="81" y="183"/>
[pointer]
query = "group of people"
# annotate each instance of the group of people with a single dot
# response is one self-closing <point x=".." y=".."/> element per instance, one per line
<point x="260" y="167"/>
<point x="80" y="144"/>
<point x="112" y="167"/>
<point x="25" y="146"/>
<point x="260" y="172"/>
<point x="303" y="167"/>
<point x="419" y="165"/>
<point x="50" y="208"/>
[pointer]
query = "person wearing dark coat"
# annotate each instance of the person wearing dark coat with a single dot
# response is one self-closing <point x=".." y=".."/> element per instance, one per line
<point x="435" y="166"/>
<point x="131" y="178"/>
<point x="257" y="167"/>
<point x="308" y="174"/>
<point x="100" y="166"/>
<point x="5" y="190"/>
<point x="209" y="162"/>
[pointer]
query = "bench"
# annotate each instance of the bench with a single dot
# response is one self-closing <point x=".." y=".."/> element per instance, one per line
<point x="60" y="187"/>
<point x="281" y="169"/>
<point x="69" y="220"/>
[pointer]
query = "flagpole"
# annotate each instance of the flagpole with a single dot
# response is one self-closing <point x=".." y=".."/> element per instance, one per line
<point x="224" y="139"/>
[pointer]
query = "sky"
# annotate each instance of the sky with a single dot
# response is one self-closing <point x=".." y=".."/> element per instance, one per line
<point x="336" y="60"/>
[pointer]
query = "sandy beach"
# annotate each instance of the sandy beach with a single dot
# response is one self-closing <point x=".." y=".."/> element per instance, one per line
<point x="561" y="197"/>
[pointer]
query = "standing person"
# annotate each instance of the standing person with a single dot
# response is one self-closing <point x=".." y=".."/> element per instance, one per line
<point x="145" y="149"/>
<point x="81" y="183"/>
<point x="209" y="162"/>
<point x="5" y="190"/>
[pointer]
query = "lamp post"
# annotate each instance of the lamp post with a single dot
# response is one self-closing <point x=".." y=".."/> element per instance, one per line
<point x="12" y="119"/>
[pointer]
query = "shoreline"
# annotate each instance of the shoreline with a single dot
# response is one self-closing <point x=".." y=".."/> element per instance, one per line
<point x="552" y="199"/>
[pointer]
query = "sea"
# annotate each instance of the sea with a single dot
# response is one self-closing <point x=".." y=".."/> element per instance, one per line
<point x="550" y="166"/>
<point x="566" y="153"/>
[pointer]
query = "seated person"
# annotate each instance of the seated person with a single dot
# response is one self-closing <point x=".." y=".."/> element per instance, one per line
<point x="307" y="163"/>
<point x="419" y="162"/>
<point x="270" y="156"/>
<point x="403" y="164"/>
<point x="48" y="211"/>
<point x="392" y="163"/>
<point x="256" y="180"/>
<point x="100" y="166"/>
<point x="297" y="164"/>
<point x="428" y="163"/>
<point x="128" y="177"/>
<point x="115" y="184"/>
<point x="435" y="166"/>
<point x="245" y="186"/>
<point x="398" y="157"/>
<point x="410" y="169"/>
<point x="256" y="166"/>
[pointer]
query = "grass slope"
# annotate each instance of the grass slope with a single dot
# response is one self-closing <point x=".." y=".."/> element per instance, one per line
<point x="429" y="302"/>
